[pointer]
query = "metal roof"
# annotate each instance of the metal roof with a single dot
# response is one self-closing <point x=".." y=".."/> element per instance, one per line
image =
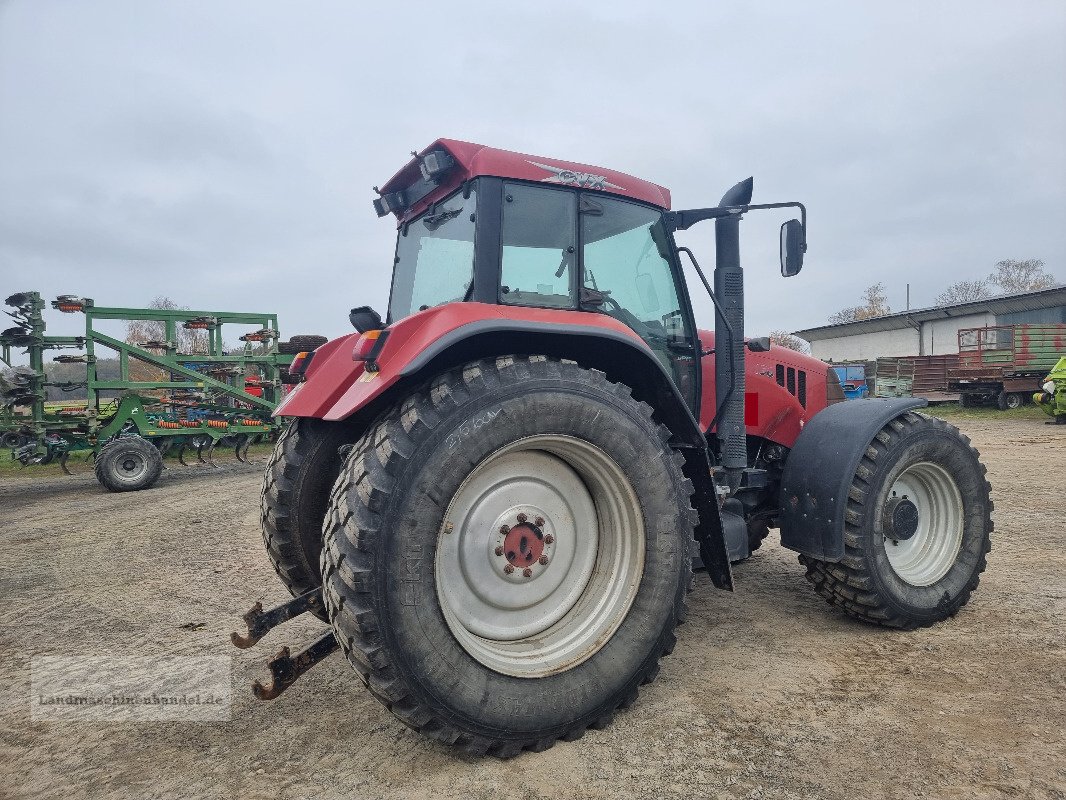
<point x="1001" y="304"/>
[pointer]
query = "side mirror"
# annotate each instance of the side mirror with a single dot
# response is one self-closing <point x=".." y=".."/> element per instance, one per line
<point x="365" y="319"/>
<point x="792" y="247"/>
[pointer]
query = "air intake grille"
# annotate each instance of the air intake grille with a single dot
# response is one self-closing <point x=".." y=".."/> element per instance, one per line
<point x="795" y="380"/>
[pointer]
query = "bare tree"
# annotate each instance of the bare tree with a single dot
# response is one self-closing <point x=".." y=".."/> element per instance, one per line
<point x="875" y="304"/>
<point x="786" y="339"/>
<point x="963" y="292"/>
<point x="1013" y="276"/>
<point x="139" y="331"/>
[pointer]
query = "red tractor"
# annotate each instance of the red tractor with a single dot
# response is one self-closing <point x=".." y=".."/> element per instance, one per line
<point x="494" y="496"/>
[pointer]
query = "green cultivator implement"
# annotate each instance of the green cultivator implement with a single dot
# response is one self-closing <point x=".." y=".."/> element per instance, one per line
<point x="161" y="399"/>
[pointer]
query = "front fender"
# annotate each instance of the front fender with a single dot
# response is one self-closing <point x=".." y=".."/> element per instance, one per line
<point x="820" y="468"/>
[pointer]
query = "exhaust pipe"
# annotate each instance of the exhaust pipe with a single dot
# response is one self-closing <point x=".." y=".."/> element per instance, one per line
<point x="729" y="327"/>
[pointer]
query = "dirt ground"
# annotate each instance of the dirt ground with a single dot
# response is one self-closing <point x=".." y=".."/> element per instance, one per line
<point x="769" y="694"/>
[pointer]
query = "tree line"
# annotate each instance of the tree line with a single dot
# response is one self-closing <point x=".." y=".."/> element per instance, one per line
<point x="1010" y="277"/>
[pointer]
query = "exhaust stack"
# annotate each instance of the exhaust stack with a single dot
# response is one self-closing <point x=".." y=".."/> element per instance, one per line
<point x="729" y="327"/>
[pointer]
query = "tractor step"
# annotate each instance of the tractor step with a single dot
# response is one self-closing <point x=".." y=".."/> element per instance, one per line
<point x="261" y="622"/>
<point x="285" y="669"/>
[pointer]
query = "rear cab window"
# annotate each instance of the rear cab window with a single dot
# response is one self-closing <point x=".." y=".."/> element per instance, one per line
<point x="434" y="257"/>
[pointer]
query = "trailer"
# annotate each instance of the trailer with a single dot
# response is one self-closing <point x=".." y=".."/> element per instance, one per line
<point x="1005" y="364"/>
<point x="162" y="398"/>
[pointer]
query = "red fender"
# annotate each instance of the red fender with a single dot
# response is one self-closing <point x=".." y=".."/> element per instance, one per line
<point x="336" y="387"/>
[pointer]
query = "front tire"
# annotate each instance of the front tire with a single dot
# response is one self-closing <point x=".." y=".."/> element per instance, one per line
<point x="476" y="474"/>
<point x="917" y="528"/>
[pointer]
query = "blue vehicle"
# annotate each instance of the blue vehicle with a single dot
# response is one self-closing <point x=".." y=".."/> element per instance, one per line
<point x="853" y="380"/>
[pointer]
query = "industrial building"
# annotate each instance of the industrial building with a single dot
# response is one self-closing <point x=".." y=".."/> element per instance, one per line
<point x="931" y="331"/>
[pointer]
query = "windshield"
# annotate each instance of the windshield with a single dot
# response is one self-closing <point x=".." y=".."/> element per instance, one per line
<point x="434" y="258"/>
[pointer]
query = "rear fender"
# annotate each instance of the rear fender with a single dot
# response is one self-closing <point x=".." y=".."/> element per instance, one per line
<point x="423" y="345"/>
<point x="820" y="468"/>
<point x="426" y="344"/>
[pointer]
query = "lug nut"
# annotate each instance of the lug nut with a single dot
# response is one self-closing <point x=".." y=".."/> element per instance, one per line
<point x="499" y="551"/>
<point x="522" y="517"/>
<point x="549" y="539"/>
<point x="543" y="559"/>
<point x="527" y="572"/>
<point x="504" y="529"/>
<point x="539" y="522"/>
<point x="508" y="569"/>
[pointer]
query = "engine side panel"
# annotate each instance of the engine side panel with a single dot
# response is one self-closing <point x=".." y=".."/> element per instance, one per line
<point x="785" y="389"/>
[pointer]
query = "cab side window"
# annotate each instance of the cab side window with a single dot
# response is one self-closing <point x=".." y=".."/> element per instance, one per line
<point x="628" y="275"/>
<point x="625" y="274"/>
<point x="539" y="247"/>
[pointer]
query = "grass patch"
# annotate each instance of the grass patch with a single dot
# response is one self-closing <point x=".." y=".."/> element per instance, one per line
<point x="955" y="411"/>
<point x="80" y="462"/>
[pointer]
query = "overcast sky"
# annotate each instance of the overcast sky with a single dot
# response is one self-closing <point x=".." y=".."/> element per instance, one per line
<point x="222" y="153"/>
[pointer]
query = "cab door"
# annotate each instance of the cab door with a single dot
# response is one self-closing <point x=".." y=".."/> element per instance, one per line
<point x="627" y="273"/>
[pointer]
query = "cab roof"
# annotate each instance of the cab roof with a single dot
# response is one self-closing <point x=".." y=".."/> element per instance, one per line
<point x="473" y="160"/>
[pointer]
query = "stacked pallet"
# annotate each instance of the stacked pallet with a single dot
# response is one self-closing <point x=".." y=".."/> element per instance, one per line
<point x="893" y="377"/>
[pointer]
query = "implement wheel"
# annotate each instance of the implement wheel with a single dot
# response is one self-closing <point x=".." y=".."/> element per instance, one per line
<point x="128" y="464"/>
<point x="917" y="527"/>
<point x="507" y="554"/>
<point x="301" y="470"/>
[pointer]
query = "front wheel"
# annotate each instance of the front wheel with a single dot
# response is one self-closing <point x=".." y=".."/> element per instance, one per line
<point x="917" y="527"/>
<point x="507" y="553"/>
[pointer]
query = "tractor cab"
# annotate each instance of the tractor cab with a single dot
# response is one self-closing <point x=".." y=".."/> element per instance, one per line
<point x="539" y="233"/>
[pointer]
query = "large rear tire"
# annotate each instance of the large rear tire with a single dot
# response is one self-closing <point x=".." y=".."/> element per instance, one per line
<point x="507" y="554"/>
<point x="917" y="527"/>
<point x="302" y="468"/>
<point x="128" y="464"/>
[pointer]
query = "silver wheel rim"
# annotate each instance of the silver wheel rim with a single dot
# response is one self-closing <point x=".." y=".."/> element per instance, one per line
<point x="131" y="466"/>
<point x="573" y="579"/>
<point x="930" y="552"/>
<point x="1014" y="400"/>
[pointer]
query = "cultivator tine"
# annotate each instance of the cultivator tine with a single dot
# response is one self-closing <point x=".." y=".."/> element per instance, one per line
<point x="244" y="441"/>
<point x="63" y="462"/>
<point x="164" y="446"/>
<point x="211" y="454"/>
<point x="285" y="669"/>
<point x="181" y="455"/>
<point x="200" y="452"/>
<point x="261" y="622"/>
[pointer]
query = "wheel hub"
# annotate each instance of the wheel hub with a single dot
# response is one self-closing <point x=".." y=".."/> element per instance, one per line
<point x="539" y="555"/>
<point x="900" y="521"/>
<point x="922" y="523"/>
<point x="526" y="547"/>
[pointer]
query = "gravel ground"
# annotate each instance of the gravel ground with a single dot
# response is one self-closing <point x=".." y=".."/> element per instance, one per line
<point x="769" y="694"/>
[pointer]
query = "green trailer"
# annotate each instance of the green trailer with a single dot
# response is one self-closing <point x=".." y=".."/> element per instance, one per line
<point x="1005" y="364"/>
<point x="162" y="398"/>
